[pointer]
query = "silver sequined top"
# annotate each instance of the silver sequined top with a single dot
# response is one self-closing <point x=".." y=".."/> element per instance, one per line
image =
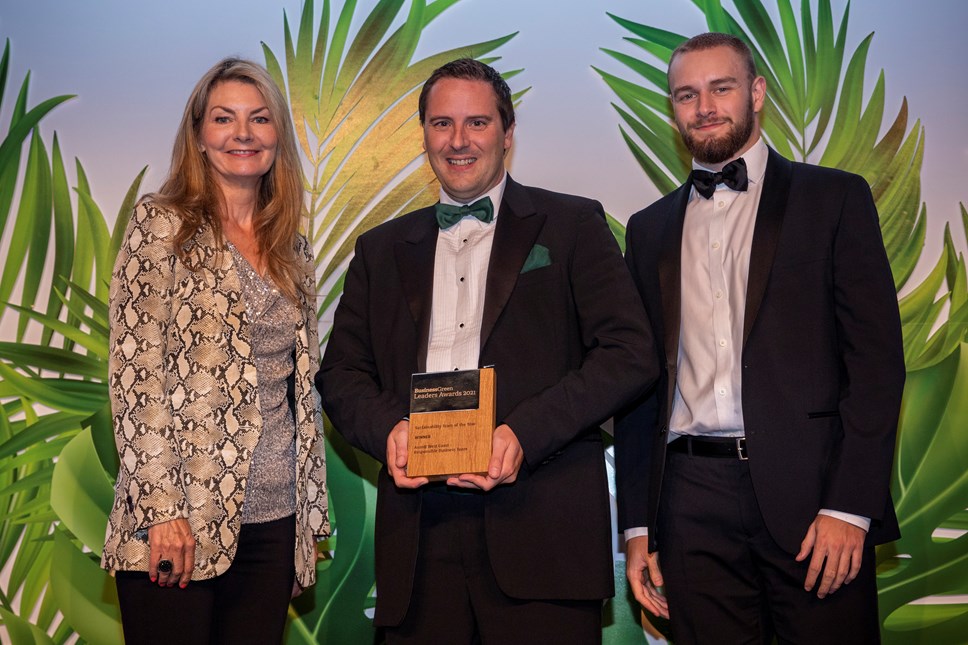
<point x="271" y="488"/>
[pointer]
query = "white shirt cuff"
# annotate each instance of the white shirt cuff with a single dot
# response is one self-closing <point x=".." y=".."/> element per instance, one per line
<point x="857" y="520"/>
<point x="636" y="531"/>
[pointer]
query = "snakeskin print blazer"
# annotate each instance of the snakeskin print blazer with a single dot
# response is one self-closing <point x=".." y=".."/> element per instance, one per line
<point x="185" y="400"/>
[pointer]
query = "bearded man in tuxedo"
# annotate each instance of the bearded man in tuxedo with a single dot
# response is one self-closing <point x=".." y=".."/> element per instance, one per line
<point x="757" y="472"/>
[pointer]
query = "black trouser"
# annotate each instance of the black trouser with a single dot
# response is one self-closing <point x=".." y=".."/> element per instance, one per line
<point x="456" y="599"/>
<point x="727" y="581"/>
<point x="246" y="604"/>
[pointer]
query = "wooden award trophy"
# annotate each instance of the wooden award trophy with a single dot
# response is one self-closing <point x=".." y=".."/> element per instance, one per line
<point x="452" y="418"/>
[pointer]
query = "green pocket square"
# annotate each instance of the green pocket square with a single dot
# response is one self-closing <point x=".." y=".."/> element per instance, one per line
<point x="537" y="258"/>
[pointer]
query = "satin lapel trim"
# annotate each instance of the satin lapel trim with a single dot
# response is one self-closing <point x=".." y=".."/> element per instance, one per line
<point x="766" y="234"/>
<point x="414" y="256"/>
<point x="518" y="225"/>
<point x="670" y="282"/>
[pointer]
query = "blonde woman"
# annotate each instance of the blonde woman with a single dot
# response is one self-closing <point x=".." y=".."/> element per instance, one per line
<point x="220" y="497"/>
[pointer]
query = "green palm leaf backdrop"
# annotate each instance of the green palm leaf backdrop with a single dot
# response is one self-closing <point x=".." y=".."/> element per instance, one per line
<point x="351" y="77"/>
<point x="816" y="111"/>
<point x="353" y="99"/>
<point x="354" y="107"/>
<point x="56" y="441"/>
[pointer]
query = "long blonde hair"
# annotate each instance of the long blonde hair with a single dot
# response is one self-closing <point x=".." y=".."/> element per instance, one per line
<point x="191" y="191"/>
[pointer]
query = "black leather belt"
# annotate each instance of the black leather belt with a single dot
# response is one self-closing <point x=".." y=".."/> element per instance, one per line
<point x="732" y="447"/>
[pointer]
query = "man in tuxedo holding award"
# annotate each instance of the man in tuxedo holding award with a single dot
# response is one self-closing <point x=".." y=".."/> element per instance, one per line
<point x="753" y="483"/>
<point x="528" y="282"/>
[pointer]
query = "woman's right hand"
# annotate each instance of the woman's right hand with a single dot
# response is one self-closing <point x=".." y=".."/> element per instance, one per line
<point x="172" y="541"/>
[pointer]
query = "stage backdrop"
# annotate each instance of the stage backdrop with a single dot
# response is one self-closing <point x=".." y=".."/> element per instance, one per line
<point x="91" y="94"/>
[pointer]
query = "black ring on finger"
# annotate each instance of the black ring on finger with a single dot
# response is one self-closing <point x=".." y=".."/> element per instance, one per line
<point x="164" y="566"/>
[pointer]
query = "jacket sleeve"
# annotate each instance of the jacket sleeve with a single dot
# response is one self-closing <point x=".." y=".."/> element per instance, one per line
<point x="150" y="477"/>
<point x="871" y="350"/>
<point x="361" y="409"/>
<point x="635" y="427"/>
<point x="315" y="495"/>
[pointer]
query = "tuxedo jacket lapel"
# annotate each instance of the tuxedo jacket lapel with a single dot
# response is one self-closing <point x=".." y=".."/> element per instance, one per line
<point x="766" y="234"/>
<point x="670" y="283"/>
<point x="518" y="225"/>
<point x="414" y="256"/>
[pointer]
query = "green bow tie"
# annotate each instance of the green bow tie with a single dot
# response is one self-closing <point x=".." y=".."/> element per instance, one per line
<point x="448" y="215"/>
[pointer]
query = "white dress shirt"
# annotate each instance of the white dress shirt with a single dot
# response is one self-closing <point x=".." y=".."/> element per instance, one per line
<point x="717" y="237"/>
<point x="460" y="275"/>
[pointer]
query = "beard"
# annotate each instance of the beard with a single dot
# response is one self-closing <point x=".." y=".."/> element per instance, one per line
<point x="719" y="149"/>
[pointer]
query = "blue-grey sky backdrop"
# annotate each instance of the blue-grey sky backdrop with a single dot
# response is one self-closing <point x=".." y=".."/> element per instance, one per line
<point x="133" y="64"/>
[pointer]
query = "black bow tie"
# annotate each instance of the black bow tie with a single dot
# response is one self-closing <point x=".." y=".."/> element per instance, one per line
<point x="733" y="175"/>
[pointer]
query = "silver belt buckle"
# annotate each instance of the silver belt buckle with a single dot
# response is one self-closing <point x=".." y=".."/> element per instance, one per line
<point x="741" y="449"/>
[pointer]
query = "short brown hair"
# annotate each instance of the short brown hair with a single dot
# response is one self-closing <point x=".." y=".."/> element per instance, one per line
<point x="473" y="70"/>
<point x="715" y="39"/>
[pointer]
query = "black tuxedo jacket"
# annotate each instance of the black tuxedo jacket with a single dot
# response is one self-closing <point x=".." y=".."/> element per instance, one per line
<point x="570" y="344"/>
<point x="823" y="365"/>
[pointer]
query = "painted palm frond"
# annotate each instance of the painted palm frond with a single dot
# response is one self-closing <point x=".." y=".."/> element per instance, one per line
<point x="353" y="101"/>
<point x="353" y="98"/>
<point x="930" y="484"/>
<point x="58" y="507"/>
<point x="57" y="452"/>
<point x="816" y="112"/>
<point x="29" y="240"/>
